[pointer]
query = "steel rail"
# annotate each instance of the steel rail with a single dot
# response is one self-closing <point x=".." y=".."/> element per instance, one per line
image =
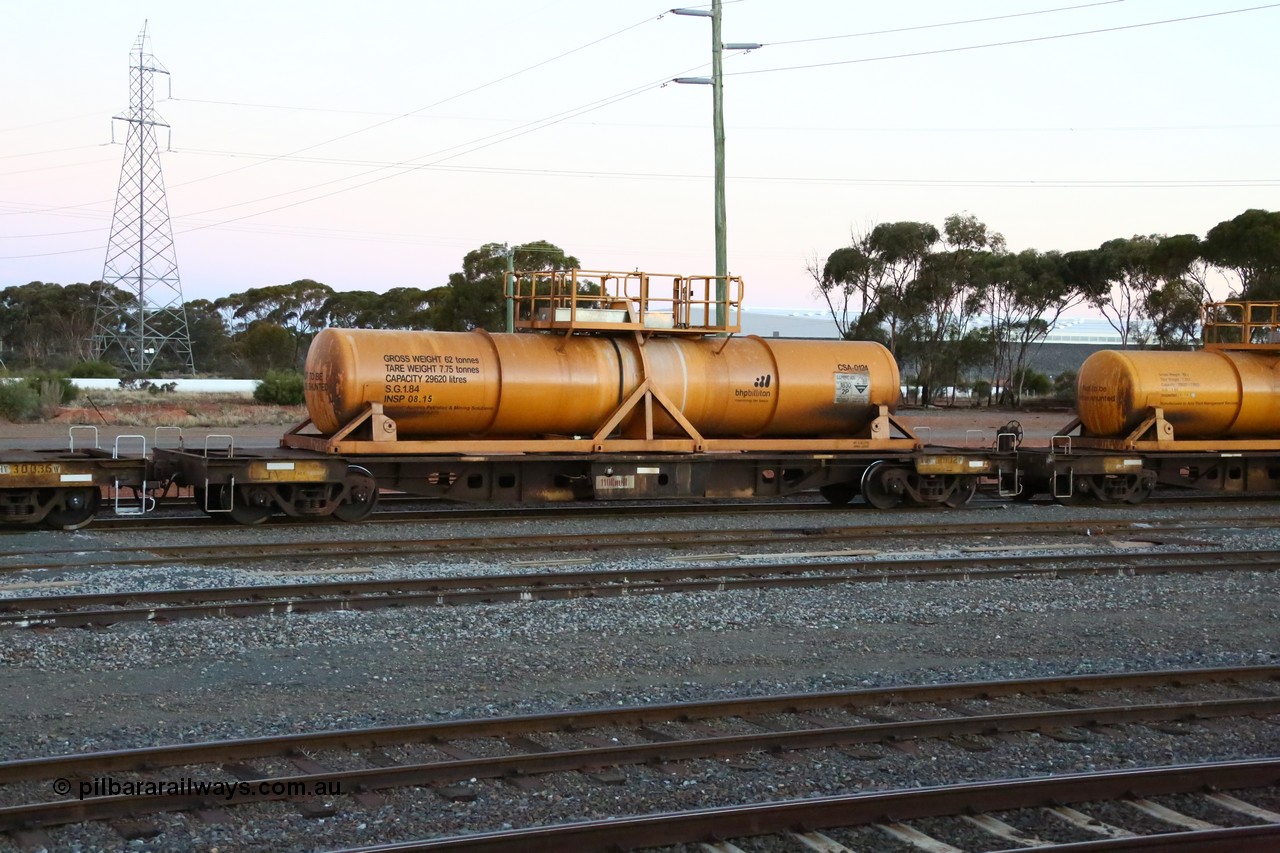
<point x="454" y="770"/>
<point x="121" y="555"/>
<point x="599" y="509"/>
<point x="100" y="609"/>
<point x="714" y="825"/>
<point x="466" y="512"/>
<point x="83" y="764"/>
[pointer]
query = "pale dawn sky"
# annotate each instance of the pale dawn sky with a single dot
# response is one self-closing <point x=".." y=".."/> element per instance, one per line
<point x="372" y="145"/>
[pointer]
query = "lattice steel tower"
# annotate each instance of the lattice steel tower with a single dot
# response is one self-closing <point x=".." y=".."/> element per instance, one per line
<point x="140" y="310"/>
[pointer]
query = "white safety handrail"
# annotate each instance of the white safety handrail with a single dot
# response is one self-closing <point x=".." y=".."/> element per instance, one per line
<point x="155" y="438"/>
<point x="231" y="442"/>
<point x="116" y="451"/>
<point x="71" y="435"/>
<point x="231" y="497"/>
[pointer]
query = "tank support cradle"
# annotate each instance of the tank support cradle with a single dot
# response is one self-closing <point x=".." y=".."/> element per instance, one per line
<point x="1156" y="433"/>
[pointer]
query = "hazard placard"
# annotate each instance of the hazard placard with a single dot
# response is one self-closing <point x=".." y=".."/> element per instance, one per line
<point x="853" y="387"/>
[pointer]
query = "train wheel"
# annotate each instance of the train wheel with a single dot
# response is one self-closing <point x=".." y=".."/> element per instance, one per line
<point x="201" y="496"/>
<point x="360" y="495"/>
<point x="242" y="510"/>
<point x="883" y="486"/>
<point x="966" y="488"/>
<point x="250" y="506"/>
<point x="1081" y="493"/>
<point x="1129" y="489"/>
<point x="78" y="509"/>
<point x="839" y="494"/>
<point x="1145" y="486"/>
<point x="1031" y="488"/>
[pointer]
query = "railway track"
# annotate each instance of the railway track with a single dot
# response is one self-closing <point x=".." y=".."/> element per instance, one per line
<point x="179" y="517"/>
<point x="311" y="550"/>
<point x="176" y="516"/>
<point x="971" y="809"/>
<point x="323" y="772"/>
<point x="101" y="609"/>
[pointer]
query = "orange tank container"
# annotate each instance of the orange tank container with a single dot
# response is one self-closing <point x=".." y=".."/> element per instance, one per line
<point x="1204" y="394"/>
<point x="476" y="384"/>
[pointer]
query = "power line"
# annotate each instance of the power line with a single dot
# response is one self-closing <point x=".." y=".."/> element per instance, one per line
<point x="454" y="97"/>
<point x="405" y="166"/>
<point x="946" y="24"/>
<point x="1002" y="43"/>
<point x="35" y="169"/>
<point x="50" y="121"/>
<point x="633" y="26"/>
<point x="410" y="164"/>
<point x="53" y="151"/>
<point x="594" y="173"/>
<point x="472" y="90"/>
<point x="402" y="167"/>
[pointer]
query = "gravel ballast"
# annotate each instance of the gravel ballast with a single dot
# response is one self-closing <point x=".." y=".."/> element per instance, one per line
<point x="140" y="684"/>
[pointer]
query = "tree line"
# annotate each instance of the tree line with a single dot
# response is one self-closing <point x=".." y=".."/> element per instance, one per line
<point x="951" y="303"/>
<point x="49" y="327"/>
<point x="956" y="303"/>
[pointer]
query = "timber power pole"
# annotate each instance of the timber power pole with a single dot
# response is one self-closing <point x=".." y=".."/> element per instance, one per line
<point x="140" y="313"/>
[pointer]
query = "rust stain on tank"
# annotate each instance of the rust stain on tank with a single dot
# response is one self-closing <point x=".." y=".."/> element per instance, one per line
<point x="1204" y="394"/>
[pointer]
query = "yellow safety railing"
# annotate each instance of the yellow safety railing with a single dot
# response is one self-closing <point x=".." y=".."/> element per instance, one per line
<point x="1241" y="325"/>
<point x="604" y="300"/>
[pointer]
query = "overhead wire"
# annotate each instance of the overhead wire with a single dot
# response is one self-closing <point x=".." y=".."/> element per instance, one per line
<point x="598" y="173"/>
<point x="397" y="117"/>
<point x="918" y="27"/>
<point x="537" y="125"/>
<point x="493" y="139"/>
<point x="1006" y="43"/>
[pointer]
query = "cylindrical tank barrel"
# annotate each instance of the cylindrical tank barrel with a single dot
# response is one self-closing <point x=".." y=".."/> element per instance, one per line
<point x="505" y="385"/>
<point x="1204" y="394"/>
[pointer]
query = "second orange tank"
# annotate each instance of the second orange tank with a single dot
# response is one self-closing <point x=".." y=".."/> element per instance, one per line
<point x="1204" y="394"/>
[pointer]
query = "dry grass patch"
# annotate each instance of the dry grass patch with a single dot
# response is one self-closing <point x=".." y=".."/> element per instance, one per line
<point x="140" y="408"/>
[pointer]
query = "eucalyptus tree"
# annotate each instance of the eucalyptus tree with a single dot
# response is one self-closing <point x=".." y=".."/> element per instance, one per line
<point x="43" y="324"/>
<point x="1118" y="279"/>
<point x="1025" y="295"/>
<point x="943" y="300"/>
<point x="293" y="307"/>
<point x="899" y="252"/>
<point x="474" y="298"/>
<point x="1249" y="247"/>
<point x="848" y="281"/>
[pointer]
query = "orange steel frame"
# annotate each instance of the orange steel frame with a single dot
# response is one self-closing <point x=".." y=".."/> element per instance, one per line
<point x="1156" y="433"/>
<point x="879" y="437"/>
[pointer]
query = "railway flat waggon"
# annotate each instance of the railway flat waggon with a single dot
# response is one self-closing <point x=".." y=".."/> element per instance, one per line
<point x="1206" y="420"/>
<point x="610" y="386"/>
<point x="618" y="387"/>
<point x="64" y="488"/>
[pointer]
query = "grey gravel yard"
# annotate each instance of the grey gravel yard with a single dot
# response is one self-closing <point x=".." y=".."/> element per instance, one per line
<point x="142" y="684"/>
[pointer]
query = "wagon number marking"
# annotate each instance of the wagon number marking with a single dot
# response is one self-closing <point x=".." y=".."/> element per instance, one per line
<point x="30" y="468"/>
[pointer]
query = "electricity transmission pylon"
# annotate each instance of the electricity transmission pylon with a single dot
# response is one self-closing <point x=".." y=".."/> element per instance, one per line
<point x="140" y="309"/>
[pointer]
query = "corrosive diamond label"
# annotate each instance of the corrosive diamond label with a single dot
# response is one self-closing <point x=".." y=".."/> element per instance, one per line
<point x="853" y="387"/>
